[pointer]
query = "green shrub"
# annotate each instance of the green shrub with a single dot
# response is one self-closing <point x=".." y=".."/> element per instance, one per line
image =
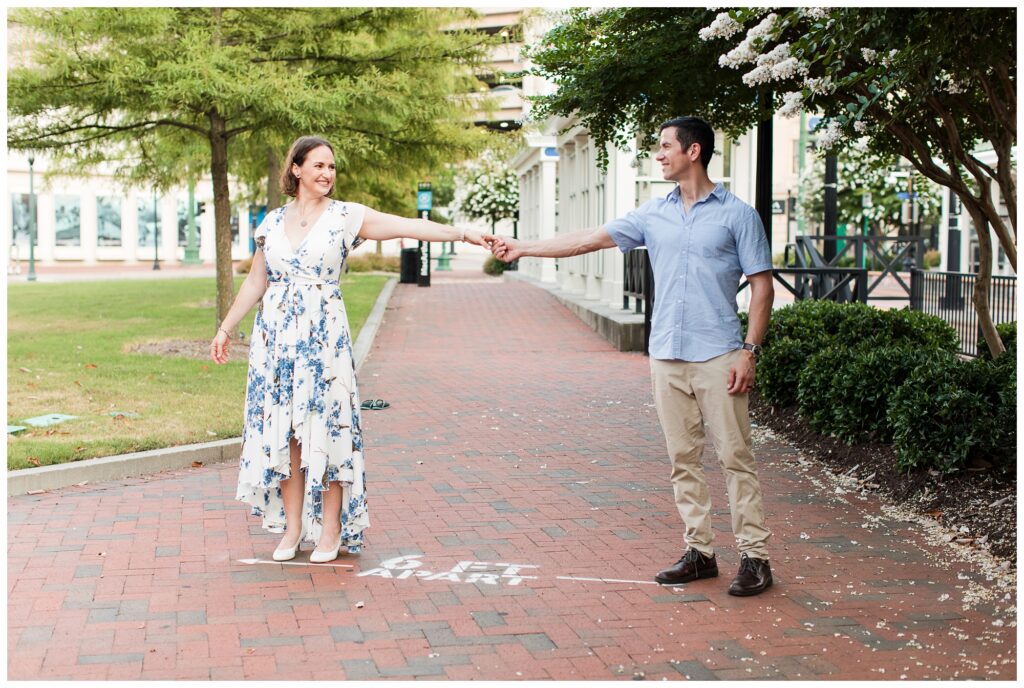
<point x="1007" y="333"/>
<point x="845" y="391"/>
<point x="779" y="369"/>
<point x="947" y="414"/>
<point x="932" y="259"/>
<point x="493" y="266"/>
<point x="373" y="262"/>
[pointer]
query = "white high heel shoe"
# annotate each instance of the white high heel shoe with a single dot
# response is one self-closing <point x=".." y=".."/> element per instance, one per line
<point x="318" y="557"/>
<point x="284" y="554"/>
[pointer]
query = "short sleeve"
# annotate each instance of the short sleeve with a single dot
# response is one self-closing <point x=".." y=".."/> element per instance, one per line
<point x="752" y="247"/>
<point x="260" y="235"/>
<point x="628" y="231"/>
<point x="353" y="214"/>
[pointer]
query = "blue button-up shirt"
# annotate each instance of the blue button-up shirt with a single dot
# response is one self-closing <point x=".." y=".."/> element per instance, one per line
<point x="698" y="257"/>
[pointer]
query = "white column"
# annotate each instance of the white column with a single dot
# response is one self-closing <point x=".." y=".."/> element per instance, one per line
<point x="87" y="226"/>
<point x="168" y="207"/>
<point x="548" y="206"/>
<point x="45" y="227"/>
<point x="130" y="227"/>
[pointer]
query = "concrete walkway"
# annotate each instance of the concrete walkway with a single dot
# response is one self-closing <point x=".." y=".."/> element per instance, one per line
<point x="520" y="504"/>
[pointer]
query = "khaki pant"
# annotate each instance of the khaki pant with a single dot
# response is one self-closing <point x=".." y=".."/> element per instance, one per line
<point x="688" y="395"/>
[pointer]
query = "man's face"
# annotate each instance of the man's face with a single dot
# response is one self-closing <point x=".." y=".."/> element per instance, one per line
<point x="675" y="162"/>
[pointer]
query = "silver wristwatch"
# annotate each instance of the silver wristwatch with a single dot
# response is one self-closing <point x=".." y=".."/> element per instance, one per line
<point x="753" y="348"/>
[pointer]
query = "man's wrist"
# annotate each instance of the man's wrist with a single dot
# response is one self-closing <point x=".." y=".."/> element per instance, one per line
<point x="754" y="350"/>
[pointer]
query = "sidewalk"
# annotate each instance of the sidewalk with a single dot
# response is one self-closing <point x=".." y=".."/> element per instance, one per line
<point x="520" y="504"/>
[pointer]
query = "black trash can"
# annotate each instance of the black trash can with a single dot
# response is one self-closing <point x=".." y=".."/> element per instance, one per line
<point x="410" y="266"/>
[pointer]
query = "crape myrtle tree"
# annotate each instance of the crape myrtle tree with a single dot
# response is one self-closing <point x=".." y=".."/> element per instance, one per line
<point x="488" y="189"/>
<point x="171" y="92"/>
<point x="933" y="85"/>
<point x="622" y="71"/>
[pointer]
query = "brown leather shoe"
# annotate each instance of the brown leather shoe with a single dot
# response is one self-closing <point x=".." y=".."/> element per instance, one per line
<point x="691" y="566"/>
<point x="754" y="577"/>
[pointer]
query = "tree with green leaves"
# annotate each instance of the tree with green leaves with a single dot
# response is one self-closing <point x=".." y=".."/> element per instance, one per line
<point x="622" y="71"/>
<point x="868" y="189"/>
<point x="488" y="190"/>
<point x="168" y="93"/>
<point x="935" y="85"/>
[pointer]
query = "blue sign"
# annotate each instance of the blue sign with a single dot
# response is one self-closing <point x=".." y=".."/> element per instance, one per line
<point x="551" y="152"/>
<point x="904" y="196"/>
<point x="424" y="199"/>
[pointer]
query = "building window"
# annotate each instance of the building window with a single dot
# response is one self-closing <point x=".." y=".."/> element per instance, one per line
<point x="234" y="227"/>
<point x="149" y="221"/>
<point x="108" y="221"/>
<point x="20" y="229"/>
<point x="68" y="220"/>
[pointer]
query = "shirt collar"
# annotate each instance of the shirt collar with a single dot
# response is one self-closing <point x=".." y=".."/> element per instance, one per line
<point x="718" y="192"/>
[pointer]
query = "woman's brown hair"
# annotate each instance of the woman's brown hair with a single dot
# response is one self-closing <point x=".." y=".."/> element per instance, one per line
<point x="296" y="156"/>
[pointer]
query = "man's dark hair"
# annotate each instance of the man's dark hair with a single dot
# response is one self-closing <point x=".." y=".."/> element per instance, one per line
<point x="691" y="130"/>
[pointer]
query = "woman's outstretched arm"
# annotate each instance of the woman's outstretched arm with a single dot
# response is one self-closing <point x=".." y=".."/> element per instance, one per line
<point x="382" y="226"/>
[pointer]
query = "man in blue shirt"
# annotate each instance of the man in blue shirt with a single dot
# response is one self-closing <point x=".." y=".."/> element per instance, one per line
<point x="701" y="239"/>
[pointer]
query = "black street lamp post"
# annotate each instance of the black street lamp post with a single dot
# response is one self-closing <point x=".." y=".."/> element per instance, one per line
<point x="31" y="219"/>
<point x="156" y="234"/>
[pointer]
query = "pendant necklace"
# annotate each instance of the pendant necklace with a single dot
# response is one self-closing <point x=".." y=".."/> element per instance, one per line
<point x="302" y="216"/>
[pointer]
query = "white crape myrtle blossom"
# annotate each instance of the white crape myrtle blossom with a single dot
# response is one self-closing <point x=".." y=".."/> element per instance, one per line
<point x="744" y="52"/>
<point x="740" y="55"/>
<point x="860" y="126"/>
<point x="758" y="75"/>
<point x="821" y="86"/>
<point x="831" y="135"/>
<point x="869" y="55"/>
<point x="776" y="55"/>
<point x="724" y="26"/>
<point x="792" y="103"/>
<point x="887" y="60"/>
<point x="788" y="69"/>
<point x="815" y="12"/>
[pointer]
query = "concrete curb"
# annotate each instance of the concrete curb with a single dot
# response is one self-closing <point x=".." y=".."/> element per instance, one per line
<point x="170" y="458"/>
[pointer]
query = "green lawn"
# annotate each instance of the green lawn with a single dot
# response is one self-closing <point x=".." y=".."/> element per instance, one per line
<point x="67" y="353"/>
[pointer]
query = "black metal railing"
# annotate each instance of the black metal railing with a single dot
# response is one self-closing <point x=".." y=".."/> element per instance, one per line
<point x="903" y="253"/>
<point x="638" y="285"/>
<point x="949" y="295"/>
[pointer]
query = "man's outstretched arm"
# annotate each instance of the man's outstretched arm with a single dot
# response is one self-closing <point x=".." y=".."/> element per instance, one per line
<point x="571" y="244"/>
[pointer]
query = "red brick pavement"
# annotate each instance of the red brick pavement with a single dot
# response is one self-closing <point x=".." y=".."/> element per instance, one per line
<point x="520" y="455"/>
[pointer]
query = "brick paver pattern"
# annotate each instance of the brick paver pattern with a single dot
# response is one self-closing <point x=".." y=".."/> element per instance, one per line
<point x="520" y="503"/>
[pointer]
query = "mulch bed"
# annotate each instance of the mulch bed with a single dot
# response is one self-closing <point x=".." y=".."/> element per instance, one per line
<point x="979" y="505"/>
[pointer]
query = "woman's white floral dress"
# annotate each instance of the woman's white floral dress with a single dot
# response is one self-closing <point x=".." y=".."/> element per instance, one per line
<point x="302" y="380"/>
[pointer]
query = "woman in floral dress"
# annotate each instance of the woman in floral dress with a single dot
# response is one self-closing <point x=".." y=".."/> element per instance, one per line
<point x="301" y="467"/>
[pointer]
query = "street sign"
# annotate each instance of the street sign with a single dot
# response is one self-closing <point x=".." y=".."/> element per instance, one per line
<point x="778" y="206"/>
<point x="424" y="197"/>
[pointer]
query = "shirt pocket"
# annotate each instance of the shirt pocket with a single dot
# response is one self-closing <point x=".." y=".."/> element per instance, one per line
<point x="714" y="242"/>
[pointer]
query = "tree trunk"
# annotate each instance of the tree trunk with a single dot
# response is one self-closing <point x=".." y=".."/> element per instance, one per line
<point x="982" y="286"/>
<point x="380" y="248"/>
<point x="222" y="215"/>
<point x="273" y="180"/>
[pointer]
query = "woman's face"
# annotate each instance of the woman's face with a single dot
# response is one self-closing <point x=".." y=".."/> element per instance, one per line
<point x="316" y="174"/>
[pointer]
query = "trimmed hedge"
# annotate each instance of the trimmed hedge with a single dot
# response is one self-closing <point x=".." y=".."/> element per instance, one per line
<point x="859" y="372"/>
<point x="493" y="266"/>
<point x="811" y="326"/>
<point x="845" y="392"/>
<point x="951" y="414"/>
<point x="1008" y="333"/>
